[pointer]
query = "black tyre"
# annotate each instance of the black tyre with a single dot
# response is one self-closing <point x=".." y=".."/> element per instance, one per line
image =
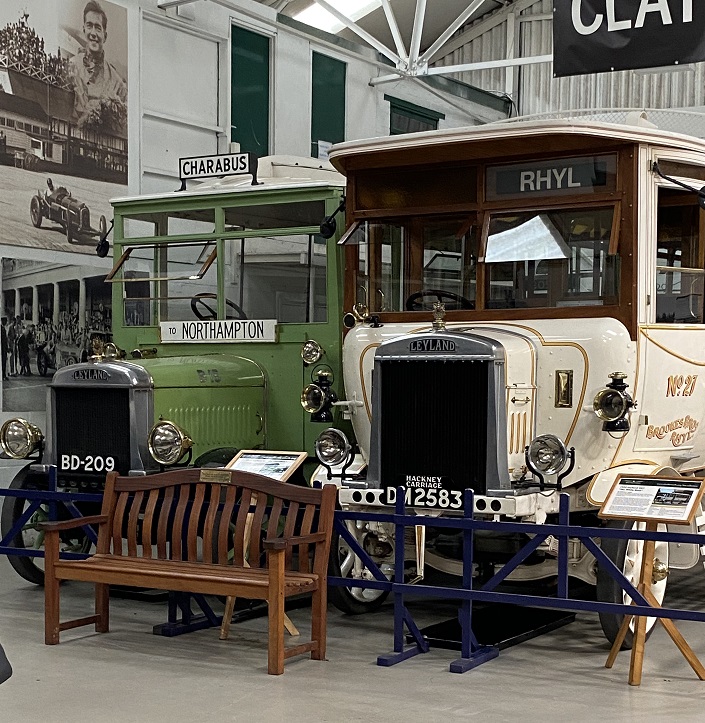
<point x="350" y="600"/>
<point x="70" y="231"/>
<point x="29" y="537"/>
<point x="102" y="226"/>
<point x="28" y="568"/>
<point x="627" y="556"/>
<point x="35" y="212"/>
<point x="42" y="363"/>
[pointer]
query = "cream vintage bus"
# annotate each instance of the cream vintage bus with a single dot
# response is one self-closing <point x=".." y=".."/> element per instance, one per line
<point x="518" y="290"/>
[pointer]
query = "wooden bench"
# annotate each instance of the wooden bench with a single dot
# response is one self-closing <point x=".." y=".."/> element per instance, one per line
<point x="185" y="530"/>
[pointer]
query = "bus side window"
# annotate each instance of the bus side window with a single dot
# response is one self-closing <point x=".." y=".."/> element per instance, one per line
<point x="680" y="259"/>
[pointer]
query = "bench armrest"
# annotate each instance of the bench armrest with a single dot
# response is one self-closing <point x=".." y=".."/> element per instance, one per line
<point x="61" y="525"/>
<point x="281" y="543"/>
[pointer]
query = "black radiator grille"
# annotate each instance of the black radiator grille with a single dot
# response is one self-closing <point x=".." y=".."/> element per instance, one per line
<point x="92" y="422"/>
<point x="433" y="422"/>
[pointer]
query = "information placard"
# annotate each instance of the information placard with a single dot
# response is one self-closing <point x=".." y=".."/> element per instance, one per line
<point x="277" y="465"/>
<point x="654" y="499"/>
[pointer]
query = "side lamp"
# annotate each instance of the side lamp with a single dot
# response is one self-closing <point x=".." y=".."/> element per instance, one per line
<point x="613" y="403"/>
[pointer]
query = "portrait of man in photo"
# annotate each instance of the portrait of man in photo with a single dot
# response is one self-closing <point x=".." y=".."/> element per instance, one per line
<point x="100" y="93"/>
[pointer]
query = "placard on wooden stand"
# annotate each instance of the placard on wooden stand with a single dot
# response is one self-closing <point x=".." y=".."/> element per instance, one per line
<point x="268" y="463"/>
<point x="652" y="500"/>
<point x="277" y="465"/>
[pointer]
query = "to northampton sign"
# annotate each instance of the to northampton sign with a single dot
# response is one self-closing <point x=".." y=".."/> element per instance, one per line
<point x="594" y="36"/>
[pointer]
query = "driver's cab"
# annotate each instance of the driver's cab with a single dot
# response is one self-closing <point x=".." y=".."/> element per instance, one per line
<point x="238" y="269"/>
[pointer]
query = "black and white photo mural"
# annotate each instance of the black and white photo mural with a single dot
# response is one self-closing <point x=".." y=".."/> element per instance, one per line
<point x="63" y="120"/>
<point x="63" y="156"/>
<point x="51" y="314"/>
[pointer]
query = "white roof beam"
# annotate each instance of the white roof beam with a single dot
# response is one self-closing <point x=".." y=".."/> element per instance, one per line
<point x="415" y="47"/>
<point x="488" y="64"/>
<point x="446" y="34"/>
<point x="369" y="39"/>
<point x="394" y="28"/>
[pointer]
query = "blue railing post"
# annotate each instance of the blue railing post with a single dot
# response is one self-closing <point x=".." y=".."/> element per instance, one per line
<point x="401" y="615"/>
<point x="472" y="653"/>
<point x="564" y="521"/>
<point x="399" y="545"/>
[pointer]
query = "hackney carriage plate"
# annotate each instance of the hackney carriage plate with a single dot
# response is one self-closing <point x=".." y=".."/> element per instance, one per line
<point x="427" y="491"/>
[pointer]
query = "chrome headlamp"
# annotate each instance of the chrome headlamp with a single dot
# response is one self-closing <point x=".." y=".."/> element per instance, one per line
<point x="168" y="443"/>
<point x="317" y="399"/>
<point x="612" y="404"/>
<point x="546" y="454"/>
<point x="332" y="448"/>
<point x="311" y="352"/>
<point x="19" y="438"/>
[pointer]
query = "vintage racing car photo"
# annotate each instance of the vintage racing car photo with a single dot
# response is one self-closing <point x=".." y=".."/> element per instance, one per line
<point x="58" y="205"/>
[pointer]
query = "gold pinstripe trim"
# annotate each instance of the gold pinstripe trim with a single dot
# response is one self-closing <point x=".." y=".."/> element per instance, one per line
<point x="362" y="379"/>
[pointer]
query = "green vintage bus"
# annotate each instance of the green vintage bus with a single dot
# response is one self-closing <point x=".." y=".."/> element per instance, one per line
<point x="226" y="305"/>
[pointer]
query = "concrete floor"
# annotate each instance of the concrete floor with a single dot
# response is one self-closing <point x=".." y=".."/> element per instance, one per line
<point x="132" y="675"/>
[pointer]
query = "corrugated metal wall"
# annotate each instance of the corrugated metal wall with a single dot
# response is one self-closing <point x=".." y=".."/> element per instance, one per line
<point x="537" y="91"/>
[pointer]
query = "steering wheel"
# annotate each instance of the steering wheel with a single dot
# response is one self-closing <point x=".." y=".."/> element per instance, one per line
<point x="415" y="301"/>
<point x="199" y="300"/>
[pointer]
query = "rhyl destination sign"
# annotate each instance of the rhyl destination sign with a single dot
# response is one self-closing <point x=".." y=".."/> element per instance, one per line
<point x="218" y="331"/>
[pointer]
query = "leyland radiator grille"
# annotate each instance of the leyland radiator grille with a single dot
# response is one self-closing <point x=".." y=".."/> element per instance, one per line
<point x="92" y="423"/>
<point x="433" y="422"/>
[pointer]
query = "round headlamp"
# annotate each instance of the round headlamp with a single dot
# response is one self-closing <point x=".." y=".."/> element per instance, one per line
<point x="332" y="447"/>
<point x="611" y="404"/>
<point x="547" y="454"/>
<point x="311" y="352"/>
<point x="313" y="398"/>
<point x="19" y="438"/>
<point x="168" y="443"/>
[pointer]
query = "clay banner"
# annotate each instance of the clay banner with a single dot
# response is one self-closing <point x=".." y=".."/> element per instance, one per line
<point x="596" y="36"/>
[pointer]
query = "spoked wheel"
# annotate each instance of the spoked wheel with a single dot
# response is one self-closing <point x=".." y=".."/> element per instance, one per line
<point x="35" y="211"/>
<point x="345" y="563"/>
<point x="627" y="556"/>
<point x="42" y="363"/>
<point x="29" y="537"/>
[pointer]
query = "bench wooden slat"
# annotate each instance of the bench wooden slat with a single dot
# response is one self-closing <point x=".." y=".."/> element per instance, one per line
<point x="240" y="524"/>
<point x="163" y="522"/>
<point x="209" y="524"/>
<point x="118" y="523"/>
<point x="257" y="518"/>
<point x="193" y="523"/>
<point x="292" y="514"/>
<point x="224" y="524"/>
<point x="274" y="517"/>
<point x="178" y="527"/>
<point x="132" y="521"/>
<point x="147" y="522"/>
<point x="309" y="512"/>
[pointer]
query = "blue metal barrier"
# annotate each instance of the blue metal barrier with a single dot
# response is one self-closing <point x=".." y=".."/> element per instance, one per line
<point x="52" y="500"/>
<point x="473" y="654"/>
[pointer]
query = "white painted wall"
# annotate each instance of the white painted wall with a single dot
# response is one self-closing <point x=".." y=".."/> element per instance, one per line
<point x="183" y="79"/>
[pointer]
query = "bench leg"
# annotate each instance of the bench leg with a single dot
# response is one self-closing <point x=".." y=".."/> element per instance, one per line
<point x="276" y="613"/>
<point x="227" y="617"/>
<point x="51" y="590"/>
<point x="319" y="610"/>
<point x="102" y="607"/>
